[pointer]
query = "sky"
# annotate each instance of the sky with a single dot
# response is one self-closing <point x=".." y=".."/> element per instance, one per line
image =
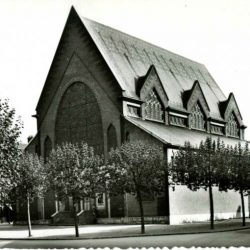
<point x="213" y="32"/>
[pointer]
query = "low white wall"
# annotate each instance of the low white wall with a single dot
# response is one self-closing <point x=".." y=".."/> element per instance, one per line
<point x="193" y="206"/>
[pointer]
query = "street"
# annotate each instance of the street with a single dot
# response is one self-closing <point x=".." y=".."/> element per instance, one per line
<point x="226" y="239"/>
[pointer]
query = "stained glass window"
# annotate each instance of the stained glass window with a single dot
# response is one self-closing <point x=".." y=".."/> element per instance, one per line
<point x="133" y="111"/>
<point x="197" y="120"/>
<point x="233" y="126"/>
<point x="79" y="118"/>
<point x="216" y="129"/>
<point x="153" y="107"/>
<point x="175" y="120"/>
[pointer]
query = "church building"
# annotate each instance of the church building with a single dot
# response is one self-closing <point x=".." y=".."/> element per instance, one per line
<point x="105" y="87"/>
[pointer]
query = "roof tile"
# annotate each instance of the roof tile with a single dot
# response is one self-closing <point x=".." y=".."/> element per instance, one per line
<point x="129" y="58"/>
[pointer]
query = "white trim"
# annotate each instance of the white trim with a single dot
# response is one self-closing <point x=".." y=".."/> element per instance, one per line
<point x="56" y="205"/>
<point x="103" y="204"/>
<point x="81" y="204"/>
<point x="133" y="104"/>
<point x="86" y="204"/>
<point x="176" y="114"/>
<point x="54" y="214"/>
<point x="80" y="213"/>
<point x="109" y="206"/>
<point x="42" y="208"/>
<point x="217" y="124"/>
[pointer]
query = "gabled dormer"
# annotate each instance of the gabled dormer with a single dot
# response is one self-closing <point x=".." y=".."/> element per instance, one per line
<point x="195" y="103"/>
<point x="232" y="116"/>
<point x="152" y="94"/>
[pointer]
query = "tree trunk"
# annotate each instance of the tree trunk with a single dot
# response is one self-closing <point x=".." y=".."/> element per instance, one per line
<point x="141" y="211"/>
<point x="28" y="215"/>
<point x="167" y="197"/>
<point x="76" y="220"/>
<point x="166" y="187"/>
<point x="211" y="201"/>
<point x="243" y="208"/>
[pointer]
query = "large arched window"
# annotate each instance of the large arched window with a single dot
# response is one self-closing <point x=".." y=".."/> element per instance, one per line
<point x="233" y="126"/>
<point x="47" y="148"/>
<point x="197" y="119"/>
<point x="127" y="137"/>
<point x="153" y="107"/>
<point x="79" y="118"/>
<point x="112" y="138"/>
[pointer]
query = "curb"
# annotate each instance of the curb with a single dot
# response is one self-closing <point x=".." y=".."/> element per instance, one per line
<point x="127" y="236"/>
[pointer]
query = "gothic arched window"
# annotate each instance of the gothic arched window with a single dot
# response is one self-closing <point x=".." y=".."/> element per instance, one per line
<point x="47" y="148"/>
<point x="79" y="118"/>
<point x="127" y="138"/>
<point x="153" y="107"/>
<point x="112" y="138"/>
<point x="197" y="120"/>
<point x="232" y="126"/>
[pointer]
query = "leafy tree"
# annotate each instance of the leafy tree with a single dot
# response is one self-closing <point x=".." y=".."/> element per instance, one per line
<point x="10" y="130"/>
<point x="135" y="168"/>
<point x="75" y="171"/>
<point x="221" y="160"/>
<point x="239" y="170"/>
<point x="213" y="164"/>
<point x="30" y="180"/>
<point x="196" y="168"/>
<point x="184" y="169"/>
<point x="206" y="162"/>
<point x="234" y="171"/>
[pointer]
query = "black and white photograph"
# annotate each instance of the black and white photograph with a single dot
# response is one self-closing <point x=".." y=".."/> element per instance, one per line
<point x="124" y="124"/>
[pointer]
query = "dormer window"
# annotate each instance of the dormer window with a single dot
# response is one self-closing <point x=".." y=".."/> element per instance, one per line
<point x="197" y="120"/>
<point x="133" y="110"/>
<point x="153" y="107"/>
<point x="233" y="126"/>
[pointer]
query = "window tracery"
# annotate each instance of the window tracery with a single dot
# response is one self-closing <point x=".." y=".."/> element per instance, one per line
<point x="153" y="107"/>
<point x="233" y="126"/>
<point x="133" y="111"/>
<point x="197" y="120"/>
<point x="216" y="129"/>
<point x="175" y="120"/>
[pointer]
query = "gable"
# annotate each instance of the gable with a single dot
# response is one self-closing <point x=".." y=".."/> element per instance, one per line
<point x="75" y="48"/>
<point x="152" y="82"/>
<point x="230" y="106"/>
<point x="194" y="96"/>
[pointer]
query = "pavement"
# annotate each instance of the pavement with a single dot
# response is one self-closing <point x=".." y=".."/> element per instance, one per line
<point x="46" y="232"/>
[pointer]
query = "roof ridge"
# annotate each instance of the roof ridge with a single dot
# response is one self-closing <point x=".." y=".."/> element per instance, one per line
<point x="140" y="39"/>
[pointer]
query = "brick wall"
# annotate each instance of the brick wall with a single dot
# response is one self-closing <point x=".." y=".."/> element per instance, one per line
<point x="151" y="208"/>
<point x="77" y="60"/>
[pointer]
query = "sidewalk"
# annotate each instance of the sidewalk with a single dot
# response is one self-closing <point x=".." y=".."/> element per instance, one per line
<point x="115" y="231"/>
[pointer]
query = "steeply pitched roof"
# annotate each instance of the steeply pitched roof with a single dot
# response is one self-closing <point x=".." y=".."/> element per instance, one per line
<point x="130" y="58"/>
<point x="225" y="105"/>
<point x="176" y="136"/>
